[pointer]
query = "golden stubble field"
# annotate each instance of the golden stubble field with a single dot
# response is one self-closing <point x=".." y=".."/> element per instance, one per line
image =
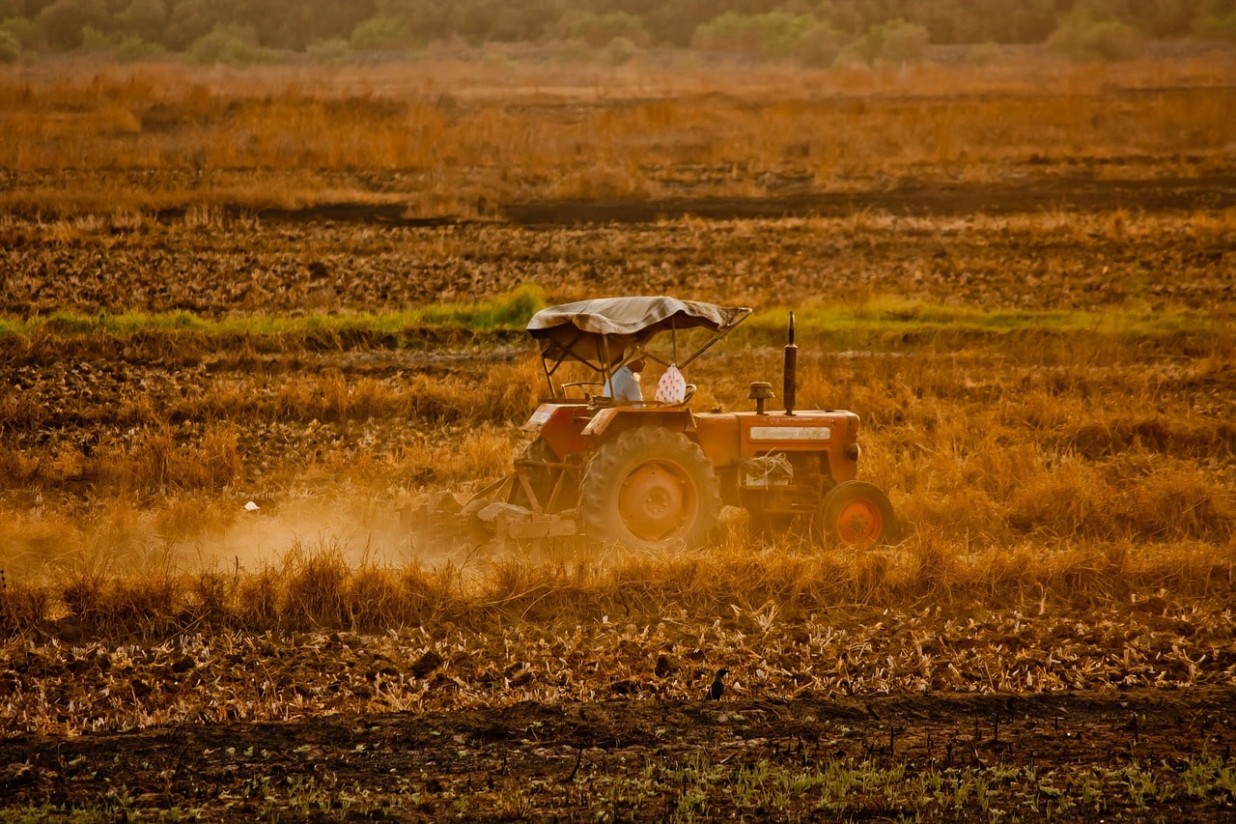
<point x="306" y="290"/>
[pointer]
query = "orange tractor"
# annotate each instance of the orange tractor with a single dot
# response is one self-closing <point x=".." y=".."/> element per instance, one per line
<point x="655" y="473"/>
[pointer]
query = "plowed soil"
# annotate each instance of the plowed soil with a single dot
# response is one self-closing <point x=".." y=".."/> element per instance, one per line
<point x="580" y="759"/>
<point x="1046" y="242"/>
<point x="907" y="198"/>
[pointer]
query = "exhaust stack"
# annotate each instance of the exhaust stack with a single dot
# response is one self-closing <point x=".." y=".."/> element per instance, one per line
<point x="790" y="387"/>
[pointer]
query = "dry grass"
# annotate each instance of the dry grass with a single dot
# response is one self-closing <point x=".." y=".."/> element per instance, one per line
<point x="1029" y="467"/>
<point x="1046" y="429"/>
<point x="288" y="138"/>
<point x="323" y="588"/>
<point x="281" y="641"/>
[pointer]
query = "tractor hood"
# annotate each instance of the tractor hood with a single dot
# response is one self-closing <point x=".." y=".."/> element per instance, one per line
<point x="598" y="331"/>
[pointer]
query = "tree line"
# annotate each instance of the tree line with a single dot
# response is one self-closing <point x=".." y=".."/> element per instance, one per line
<point x="815" y="30"/>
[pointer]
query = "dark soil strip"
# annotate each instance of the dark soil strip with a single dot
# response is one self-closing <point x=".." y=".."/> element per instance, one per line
<point x="909" y="199"/>
<point x="459" y="752"/>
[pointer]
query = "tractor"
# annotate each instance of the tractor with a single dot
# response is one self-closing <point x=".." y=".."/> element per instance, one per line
<point x="655" y="473"/>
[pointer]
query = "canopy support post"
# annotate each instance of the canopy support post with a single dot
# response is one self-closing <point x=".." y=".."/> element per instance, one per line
<point x="605" y="359"/>
<point x="549" y="373"/>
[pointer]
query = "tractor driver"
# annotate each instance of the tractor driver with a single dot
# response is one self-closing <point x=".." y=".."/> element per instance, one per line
<point x="623" y="385"/>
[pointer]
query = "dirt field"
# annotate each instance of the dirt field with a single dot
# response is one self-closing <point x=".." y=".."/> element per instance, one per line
<point x="1086" y="244"/>
<point x="953" y="757"/>
<point x="1102" y="712"/>
<point x="1036" y="328"/>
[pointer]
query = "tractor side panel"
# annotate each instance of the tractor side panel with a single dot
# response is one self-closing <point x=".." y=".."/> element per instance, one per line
<point x="561" y="426"/>
<point x="800" y="432"/>
<point x="717" y="435"/>
<point x="833" y="435"/>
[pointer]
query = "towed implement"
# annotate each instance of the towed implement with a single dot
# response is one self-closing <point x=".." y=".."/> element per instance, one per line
<point x="655" y="473"/>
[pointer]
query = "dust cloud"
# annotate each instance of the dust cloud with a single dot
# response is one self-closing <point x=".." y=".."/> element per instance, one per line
<point x="361" y="530"/>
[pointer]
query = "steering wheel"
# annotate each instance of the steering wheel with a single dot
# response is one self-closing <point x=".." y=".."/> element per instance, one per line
<point x="600" y="389"/>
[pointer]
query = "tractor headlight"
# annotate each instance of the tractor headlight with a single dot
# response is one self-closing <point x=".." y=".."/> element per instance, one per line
<point x="852" y="451"/>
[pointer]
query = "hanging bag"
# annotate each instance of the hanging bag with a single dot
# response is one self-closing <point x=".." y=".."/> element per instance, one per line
<point x="672" y="388"/>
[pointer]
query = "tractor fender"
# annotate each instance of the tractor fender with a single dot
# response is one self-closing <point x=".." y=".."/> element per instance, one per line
<point x="559" y="425"/>
<point x="610" y="422"/>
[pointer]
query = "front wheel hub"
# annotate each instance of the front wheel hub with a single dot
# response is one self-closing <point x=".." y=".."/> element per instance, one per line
<point x="860" y="523"/>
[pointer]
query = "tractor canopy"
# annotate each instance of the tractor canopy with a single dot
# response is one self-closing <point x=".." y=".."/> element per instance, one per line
<point x="605" y="332"/>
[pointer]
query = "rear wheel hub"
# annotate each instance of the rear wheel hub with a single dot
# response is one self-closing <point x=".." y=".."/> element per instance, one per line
<point x="656" y="500"/>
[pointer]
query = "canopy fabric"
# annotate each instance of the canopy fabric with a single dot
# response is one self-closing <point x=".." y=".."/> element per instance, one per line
<point x="598" y="330"/>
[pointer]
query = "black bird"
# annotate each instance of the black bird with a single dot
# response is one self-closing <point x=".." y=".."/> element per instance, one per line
<point x="717" y="689"/>
<point x="664" y="667"/>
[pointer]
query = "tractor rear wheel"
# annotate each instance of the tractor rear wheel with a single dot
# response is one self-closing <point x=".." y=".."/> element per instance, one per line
<point x="855" y="515"/>
<point x="649" y="488"/>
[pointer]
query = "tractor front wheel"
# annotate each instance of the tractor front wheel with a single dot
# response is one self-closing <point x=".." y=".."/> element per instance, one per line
<point x="648" y="488"/>
<point x="855" y="515"/>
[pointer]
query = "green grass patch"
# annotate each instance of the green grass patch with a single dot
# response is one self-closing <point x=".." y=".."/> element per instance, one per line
<point x="509" y="311"/>
<point x="893" y="317"/>
<point x="873" y="323"/>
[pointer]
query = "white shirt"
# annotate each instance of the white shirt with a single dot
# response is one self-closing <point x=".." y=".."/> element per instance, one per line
<point x="623" y="385"/>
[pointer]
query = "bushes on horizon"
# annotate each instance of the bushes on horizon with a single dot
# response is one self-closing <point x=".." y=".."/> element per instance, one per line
<point x="983" y="54"/>
<point x="10" y="47"/>
<point x="1082" y="37"/>
<point x="335" y="50"/>
<point x="126" y="47"/>
<point x="229" y="45"/>
<point x="893" y="42"/>
<point x="29" y="36"/>
<point x="94" y="40"/>
<point x="1215" y="27"/>
<point x="767" y="28"/>
<point x="820" y="46"/>
<point x="620" y="50"/>
<point x="381" y="33"/>
<point x="144" y="18"/>
<point x="189" y="21"/>
<point x="775" y="34"/>
<point x="601" y="30"/>
<point x="132" y="48"/>
<point x="63" y="22"/>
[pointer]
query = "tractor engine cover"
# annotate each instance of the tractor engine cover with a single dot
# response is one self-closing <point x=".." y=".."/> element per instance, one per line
<point x="728" y="438"/>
